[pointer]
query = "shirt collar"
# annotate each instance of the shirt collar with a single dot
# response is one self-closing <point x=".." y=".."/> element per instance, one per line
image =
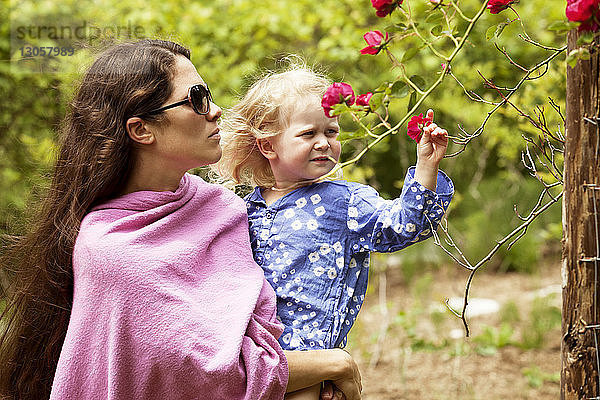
<point x="256" y="197"/>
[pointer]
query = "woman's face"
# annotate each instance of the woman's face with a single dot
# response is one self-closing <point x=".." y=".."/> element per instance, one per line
<point x="186" y="139"/>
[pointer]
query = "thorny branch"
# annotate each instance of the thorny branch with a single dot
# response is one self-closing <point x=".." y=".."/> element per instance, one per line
<point x="542" y="156"/>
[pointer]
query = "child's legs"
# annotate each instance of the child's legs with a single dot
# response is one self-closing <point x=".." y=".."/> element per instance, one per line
<point x="310" y="393"/>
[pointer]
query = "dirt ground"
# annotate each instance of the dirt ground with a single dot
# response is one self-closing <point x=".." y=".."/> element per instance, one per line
<point x="405" y="352"/>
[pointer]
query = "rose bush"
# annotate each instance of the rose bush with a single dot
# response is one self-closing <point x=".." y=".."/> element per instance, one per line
<point x="337" y="93"/>
<point x="585" y="11"/>
<point x="363" y="99"/>
<point x="495" y="6"/>
<point x="376" y="42"/>
<point x="385" y="7"/>
<point x="416" y="125"/>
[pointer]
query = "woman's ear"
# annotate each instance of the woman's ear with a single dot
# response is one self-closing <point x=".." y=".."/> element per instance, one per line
<point x="138" y="130"/>
<point x="266" y="148"/>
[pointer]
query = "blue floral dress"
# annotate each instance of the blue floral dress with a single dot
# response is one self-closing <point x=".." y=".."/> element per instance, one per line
<point x="314" y="243"/>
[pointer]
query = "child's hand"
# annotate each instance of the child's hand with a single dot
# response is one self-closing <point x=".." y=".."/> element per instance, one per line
<point x="432" y="146"/>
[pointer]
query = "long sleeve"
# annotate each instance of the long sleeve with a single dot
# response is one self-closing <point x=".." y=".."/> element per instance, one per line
<point x="390" y="225"/>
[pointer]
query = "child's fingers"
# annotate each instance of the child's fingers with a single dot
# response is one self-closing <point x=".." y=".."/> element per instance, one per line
<point x="430" y="128"/>
<point x="439" y="132"/>
<point x="430" y="114"/>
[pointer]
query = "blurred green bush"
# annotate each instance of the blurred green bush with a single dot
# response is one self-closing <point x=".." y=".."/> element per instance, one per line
<point x="233" y="40"/>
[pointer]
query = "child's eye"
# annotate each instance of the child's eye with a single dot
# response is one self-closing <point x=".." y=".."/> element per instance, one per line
<point x="308" y="133"/>
<point x="332" y="132"/>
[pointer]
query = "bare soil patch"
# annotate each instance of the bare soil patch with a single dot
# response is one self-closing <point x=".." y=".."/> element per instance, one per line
<point x="410" y="348"/>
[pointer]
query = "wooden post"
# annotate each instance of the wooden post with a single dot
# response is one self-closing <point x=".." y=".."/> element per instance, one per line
<point x="580" y="273"/>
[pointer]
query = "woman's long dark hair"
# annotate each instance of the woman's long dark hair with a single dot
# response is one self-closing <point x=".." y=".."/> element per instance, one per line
<point x="93" y="165"/>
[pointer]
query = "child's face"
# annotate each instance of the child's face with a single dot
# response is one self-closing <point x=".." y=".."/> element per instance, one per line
<point x="306" y="145"/>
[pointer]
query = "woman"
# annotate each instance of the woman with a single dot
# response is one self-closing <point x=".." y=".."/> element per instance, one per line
<point x="138" y="279"/>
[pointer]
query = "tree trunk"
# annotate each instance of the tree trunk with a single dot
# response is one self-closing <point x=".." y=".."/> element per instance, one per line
<point x="580" y="267"/>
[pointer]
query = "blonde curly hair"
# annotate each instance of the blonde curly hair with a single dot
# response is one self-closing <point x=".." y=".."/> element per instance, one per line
<point x="263" y="112"/>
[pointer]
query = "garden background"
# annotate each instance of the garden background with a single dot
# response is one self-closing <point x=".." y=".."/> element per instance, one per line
<point x="408" y="344"/>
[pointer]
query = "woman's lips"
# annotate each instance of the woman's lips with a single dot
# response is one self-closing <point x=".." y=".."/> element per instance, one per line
<point x="215" y="134"/>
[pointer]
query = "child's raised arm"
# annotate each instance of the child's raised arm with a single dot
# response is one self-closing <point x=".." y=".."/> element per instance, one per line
<point x="430" y="151"/>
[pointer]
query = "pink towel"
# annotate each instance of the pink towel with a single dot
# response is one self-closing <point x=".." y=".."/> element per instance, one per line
<point x="169" y="304"/>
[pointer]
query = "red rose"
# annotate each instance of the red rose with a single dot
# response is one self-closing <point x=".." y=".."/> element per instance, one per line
<point x="495" y="6"/>
<point x="363" y="99"/>
<point x="375" y="41"/>
<point x="416" y="125"/>
<point x="584" y="11"/>
<point x="337" y="93"/>
<point x="384" y="7"/>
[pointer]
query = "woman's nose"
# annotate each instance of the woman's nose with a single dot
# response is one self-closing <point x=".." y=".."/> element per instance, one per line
<point x="214" y="113"/>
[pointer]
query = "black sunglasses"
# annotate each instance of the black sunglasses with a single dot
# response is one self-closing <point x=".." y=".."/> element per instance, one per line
<point x="198" y="96"/>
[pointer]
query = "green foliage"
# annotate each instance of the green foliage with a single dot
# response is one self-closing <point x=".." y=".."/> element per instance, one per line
<point x="536" y="377"/>
<point x="509" y="313"/>
<point x="234" y="40"/>
<point x="543" y="317"/>
<point x="493" y="338"/>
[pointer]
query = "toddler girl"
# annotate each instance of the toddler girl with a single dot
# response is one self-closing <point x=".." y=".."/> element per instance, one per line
<point x="311" y="238"/>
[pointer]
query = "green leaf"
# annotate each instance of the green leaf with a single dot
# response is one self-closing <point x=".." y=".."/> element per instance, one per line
<point x="562" y="27"/>
<point x="418" y="81"/>
<point x="345" y="136"/>
<point x="572" y="58"/>
<point x="410" y="53"/>
<point x="435" y="18"/>
<point x="339" y="109"/>
<point x="399" y="89"/>
<point x="412" y="101"/>
<point x="585" y="38"/>
<point x="490" y="33"/>
<point x="437" y="30"/>
<point x="584" y="53"/>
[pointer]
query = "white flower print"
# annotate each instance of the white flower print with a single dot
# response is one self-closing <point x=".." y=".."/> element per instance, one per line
<point x="264" y="234"/>
<point x="340" y="262"/>
<point x="315" y="198"/>
<point x="337" y="246"/>
<point x="352" y="224"/>
<point x="410" y="227"/>
<point x="398" y="228"/>
<point x="422" y="188"/>
<point x="318" y="271"/>
<point x="352" y="263"/>
<point x="352" y="212"/>
<point x="301" y="202"/>
<point x="324" y="249"/>
<point x="319" y="211"/>
<point x="287" y="337"/>
<point x="414" y="189"/>
<point x="312" y="224"/>
<point x="429" y="201"/>
<point x="313" y="314"/>
<point x="350" y="291"/>
<point x="296" y="225"/>
<point x="289" y="213"/>
<point x="313" y="257"/>
<point x="418" y="197"/>
<point x="387" y="221"/>
<point x="331" y="273"/>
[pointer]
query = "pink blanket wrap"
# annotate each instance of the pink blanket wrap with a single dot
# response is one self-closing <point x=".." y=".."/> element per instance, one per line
<point x="169" y="304"/>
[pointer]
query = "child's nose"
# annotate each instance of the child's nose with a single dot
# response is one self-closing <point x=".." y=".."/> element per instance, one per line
<point x="322" y="144"/>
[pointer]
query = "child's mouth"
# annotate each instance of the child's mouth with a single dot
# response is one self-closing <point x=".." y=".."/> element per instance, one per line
<point x="323" y="159"/>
